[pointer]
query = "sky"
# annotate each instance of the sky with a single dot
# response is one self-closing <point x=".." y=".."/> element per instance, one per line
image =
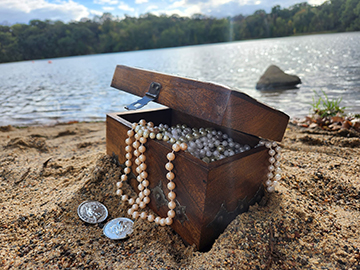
<point x="22" y="11"/>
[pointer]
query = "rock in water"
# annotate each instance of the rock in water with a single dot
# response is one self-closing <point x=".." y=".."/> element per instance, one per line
<point x="274" y="78"/>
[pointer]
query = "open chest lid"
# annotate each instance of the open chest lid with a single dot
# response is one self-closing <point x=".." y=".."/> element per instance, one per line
<point x="210" y="102"/>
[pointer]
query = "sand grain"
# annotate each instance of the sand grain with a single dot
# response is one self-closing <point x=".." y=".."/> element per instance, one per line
<point x="311" y="222"/>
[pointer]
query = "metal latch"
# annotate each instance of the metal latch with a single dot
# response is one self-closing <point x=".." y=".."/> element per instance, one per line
<point x="150" y="95"/>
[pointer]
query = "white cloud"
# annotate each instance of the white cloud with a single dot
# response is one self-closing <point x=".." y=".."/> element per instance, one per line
<point x="21" y="11"/>
<point x="125" y="7"/>
<point x="224" y="8"/>
<point x="245" y="2"/>
<point x="184" y="8"/>
<point x="151" y="7"/>
<point x="96" y="12"/>
<point x="106" y="2"/>
<point x="141" y="1"/>
<point x="316" y="2"/>
<point x="216" y="3"/>
<point x="192" y="10"/>
<point x="169" y="12"/>
<point x="183" y="12"/>
<point x="108" y="8"/>
<point x="180" y="3"/>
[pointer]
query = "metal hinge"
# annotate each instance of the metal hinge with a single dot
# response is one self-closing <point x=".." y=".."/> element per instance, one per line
<point x="150" y="95"/>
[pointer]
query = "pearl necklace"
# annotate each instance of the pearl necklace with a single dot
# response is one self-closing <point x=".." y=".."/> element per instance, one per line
<point x="142" y="133"/>
<point x="274" y="174"/>
<point x="137" y="137"/>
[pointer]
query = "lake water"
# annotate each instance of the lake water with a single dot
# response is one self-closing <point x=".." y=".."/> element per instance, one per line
<point x="78" y="88"/>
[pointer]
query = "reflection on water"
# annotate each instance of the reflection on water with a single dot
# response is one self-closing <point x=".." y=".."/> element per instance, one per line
<point x="78" y="88"/>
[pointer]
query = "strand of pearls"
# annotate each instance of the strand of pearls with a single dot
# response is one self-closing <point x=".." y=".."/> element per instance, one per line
<point x="141" y="132"/>
<point x="170" y="176"/>
<point x="274" y="175"/>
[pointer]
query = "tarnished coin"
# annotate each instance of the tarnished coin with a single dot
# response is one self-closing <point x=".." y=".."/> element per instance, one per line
<point x="118" y="228"/>
<point x="92" y="212"/>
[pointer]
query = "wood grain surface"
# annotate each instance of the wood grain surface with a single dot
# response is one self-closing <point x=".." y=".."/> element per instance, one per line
<point x="214" y="103"/>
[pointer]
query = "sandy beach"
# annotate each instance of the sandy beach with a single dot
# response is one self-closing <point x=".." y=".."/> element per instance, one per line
<point x="312" y="221"/>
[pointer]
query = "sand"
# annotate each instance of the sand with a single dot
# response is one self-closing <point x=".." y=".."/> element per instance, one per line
<point x="311" y="222"/>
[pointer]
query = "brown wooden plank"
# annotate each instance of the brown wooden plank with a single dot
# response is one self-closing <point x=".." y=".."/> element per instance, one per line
<point x="229" y="184"/>
<point x="250" y="116"/>
<point x="238" y="179"/>
<point x="190" y="180"/>
<point x="204" y="100"/>
<point x="115" y="138"/>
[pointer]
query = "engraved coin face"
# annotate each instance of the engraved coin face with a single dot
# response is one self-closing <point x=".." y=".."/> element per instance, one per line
<point x="92" y="212"/>
<point x="118" y="228"/>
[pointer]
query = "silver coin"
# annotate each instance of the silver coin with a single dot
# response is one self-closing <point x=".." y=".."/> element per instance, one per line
<point x="118" y="228"/>
<point x="92" y="212"/>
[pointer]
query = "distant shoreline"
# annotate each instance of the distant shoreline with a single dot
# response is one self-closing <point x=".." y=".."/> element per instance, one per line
<point x="184" y="46"/>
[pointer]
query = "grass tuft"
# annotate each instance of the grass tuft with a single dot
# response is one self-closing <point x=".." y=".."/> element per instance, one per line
<point x="325" y="107"/>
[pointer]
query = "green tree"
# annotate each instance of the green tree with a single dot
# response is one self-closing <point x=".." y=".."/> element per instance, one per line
<point x="302" y="18"/>
<point x="219" y="31"/>
<point x="256" y="26"/>
<point x="350" y="17"/>
<point x="9" y="49"/>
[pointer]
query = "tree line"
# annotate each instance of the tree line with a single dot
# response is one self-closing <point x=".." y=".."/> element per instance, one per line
<point x="49" y="39"/>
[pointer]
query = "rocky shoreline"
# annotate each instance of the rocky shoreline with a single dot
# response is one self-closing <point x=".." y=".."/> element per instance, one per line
<point x="311" y="222"/>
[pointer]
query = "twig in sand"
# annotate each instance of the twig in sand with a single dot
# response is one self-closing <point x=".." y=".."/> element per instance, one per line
<point x="23" y="177"/>
<point x="271" y="248"/>
<point x="44" y="165"/>
<point x="274" y="254"/>
<point x="46" y="162"/>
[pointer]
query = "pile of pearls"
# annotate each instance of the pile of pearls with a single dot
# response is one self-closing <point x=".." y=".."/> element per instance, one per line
<point x="207" y="144"/>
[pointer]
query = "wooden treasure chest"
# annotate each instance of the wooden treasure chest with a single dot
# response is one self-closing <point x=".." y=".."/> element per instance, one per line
<point x="212" y="187"/>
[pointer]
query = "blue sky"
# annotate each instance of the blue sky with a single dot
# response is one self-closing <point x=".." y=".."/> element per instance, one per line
<point x="22" y="11"/>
